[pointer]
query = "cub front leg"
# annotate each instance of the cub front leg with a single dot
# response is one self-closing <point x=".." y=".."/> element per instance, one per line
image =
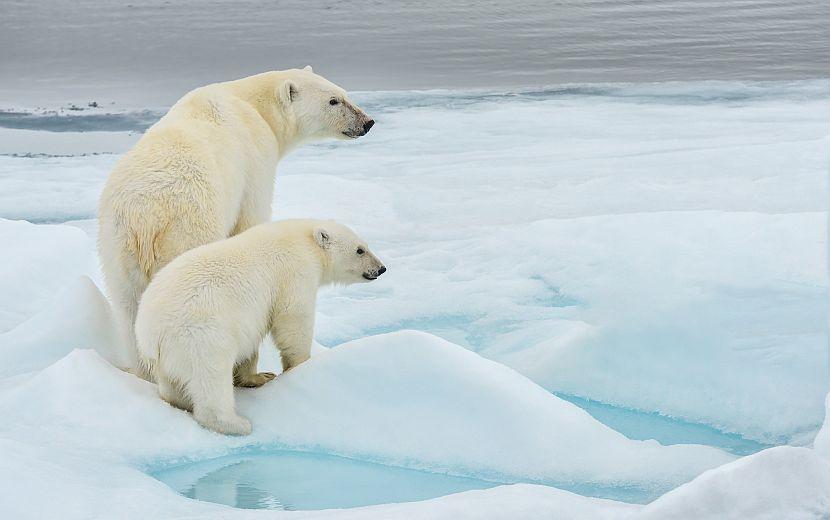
<point x="292" y="334"/>
<point x="245" y="374"/>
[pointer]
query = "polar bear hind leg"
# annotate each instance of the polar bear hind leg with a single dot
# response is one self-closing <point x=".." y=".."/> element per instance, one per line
<point x="173" y="392"/>
<point x="245" y="374"/>
<point x="211" y="390"/>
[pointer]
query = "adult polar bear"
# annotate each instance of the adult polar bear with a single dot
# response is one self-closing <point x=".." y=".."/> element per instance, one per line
<point x="204" y="172"/>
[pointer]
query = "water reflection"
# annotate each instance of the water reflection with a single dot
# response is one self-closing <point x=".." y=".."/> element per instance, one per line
<point x="307" y="481"/>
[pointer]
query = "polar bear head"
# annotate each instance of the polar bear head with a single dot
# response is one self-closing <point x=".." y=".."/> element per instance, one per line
<point x="349" y="258"/>
<point x="321" y="109"/>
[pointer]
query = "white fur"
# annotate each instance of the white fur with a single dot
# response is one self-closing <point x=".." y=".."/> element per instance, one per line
<point x="205" y="171"/>
<point x="203" y="316"/>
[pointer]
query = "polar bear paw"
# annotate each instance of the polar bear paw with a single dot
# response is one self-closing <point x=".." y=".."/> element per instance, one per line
<point x="224" y="423"/>
<point x="253" y="380"/>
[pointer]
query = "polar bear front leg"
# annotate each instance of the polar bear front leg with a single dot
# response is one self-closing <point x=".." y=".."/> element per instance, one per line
<point x="211" y="390"/>
<point x="292" y="334"/>
<point x="245" y="374"/>
<point x="256" y="204"/>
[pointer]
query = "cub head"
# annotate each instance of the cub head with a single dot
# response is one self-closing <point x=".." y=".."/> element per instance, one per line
<point x="349" y="258"/>
<point x="321" y="109"/>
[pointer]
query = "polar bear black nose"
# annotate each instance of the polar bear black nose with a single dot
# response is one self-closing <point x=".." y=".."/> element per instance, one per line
<point x="381" y="270"/>
<point x="367" y="125"/>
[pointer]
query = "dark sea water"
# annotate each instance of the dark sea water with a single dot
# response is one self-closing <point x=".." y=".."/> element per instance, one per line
<point x="148" y="52"/>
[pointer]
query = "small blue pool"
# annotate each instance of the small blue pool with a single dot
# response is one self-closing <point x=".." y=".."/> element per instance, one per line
<point x="291" y="480"/>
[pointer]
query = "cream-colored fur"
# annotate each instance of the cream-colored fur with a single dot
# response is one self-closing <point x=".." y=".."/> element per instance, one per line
<point x="203" y="316"/>
<point x="205" y="171"/>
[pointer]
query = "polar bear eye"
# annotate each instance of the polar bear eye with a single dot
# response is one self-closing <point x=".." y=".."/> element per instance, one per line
<point x="360" y="251"/>
<point x="333" y="102"/>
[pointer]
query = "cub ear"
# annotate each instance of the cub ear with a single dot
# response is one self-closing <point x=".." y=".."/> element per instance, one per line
<point x="287" y="92"/>
<point x="321" y="236"/>
<point x="308" y="68"/>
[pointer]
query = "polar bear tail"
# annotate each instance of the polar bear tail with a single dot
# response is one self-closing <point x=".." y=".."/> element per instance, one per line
<point x="143" y="246"/>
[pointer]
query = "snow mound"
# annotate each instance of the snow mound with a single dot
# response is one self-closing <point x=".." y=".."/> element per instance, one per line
<point x="78" y="318"/>
<point x="822" y="442"/>
<point x="778" y="483"/>
<point x="380" y="399"/>
<point x="38" y="261"/>
<point x="518" y="501"/>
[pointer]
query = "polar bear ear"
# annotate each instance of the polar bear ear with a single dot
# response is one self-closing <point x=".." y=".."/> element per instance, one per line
<point x="308" y="68"/>
<point x="321" y="236"/>
<point x="287" y="92"/>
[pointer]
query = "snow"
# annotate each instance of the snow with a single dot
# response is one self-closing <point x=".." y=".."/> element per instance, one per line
<point x="78" y="487"/>
<point x="572" y="228"/>
<point x="376" y="399"/>
<point x="822" y="442"/>
<point x="38" y="261"/>
<point x="757" y="349"/>
<point x="659" y="248"/>
<point x="52" y="188"/>
<point x="107" y="421"/>
<point x="79" y="317"/>
<point x="603" y="260"/>
<point x="778" y="483"/>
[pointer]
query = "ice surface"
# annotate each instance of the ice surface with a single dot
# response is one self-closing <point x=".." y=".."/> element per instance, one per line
<point x="606" y="241"/>
<point x="38" y="262"/>
<point x="81" y="486"/>
<point x="822" y="442"/>
<point x="672" y="261"/>
<point x="104" y="418"/>
<point x="52" y="189"/>
<point x="659" y="248"/>
<point x="78" y="318"/>
<point x="778" y="483"/>
<point x="109" y="423"/>
<point x="376" y="399"/>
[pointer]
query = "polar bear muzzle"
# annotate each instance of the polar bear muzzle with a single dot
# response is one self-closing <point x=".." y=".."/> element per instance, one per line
<point x="373" y="275"/>
<point x="361" y="124"/>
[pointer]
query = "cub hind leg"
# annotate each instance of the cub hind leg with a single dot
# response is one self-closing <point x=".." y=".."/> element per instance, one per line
<point x="211" y="390"/>
<point x="173" y="393"/>
<point x="245" y="373"/>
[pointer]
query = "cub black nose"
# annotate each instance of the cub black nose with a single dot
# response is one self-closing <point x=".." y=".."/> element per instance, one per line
<point x="367" y="125"/>
<point x="381" y="270"/>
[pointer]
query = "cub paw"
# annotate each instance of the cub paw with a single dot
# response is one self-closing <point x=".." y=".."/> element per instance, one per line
<point x="254" y="380"/>
<point x="225" y="424"/>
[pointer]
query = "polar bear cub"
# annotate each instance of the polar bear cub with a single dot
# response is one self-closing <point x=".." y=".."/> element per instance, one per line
<point x="203" y="316"/>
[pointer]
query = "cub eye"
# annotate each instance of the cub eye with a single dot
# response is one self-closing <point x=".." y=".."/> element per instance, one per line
<point x="333" y="101"/>
<point x="360" y="251"/>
